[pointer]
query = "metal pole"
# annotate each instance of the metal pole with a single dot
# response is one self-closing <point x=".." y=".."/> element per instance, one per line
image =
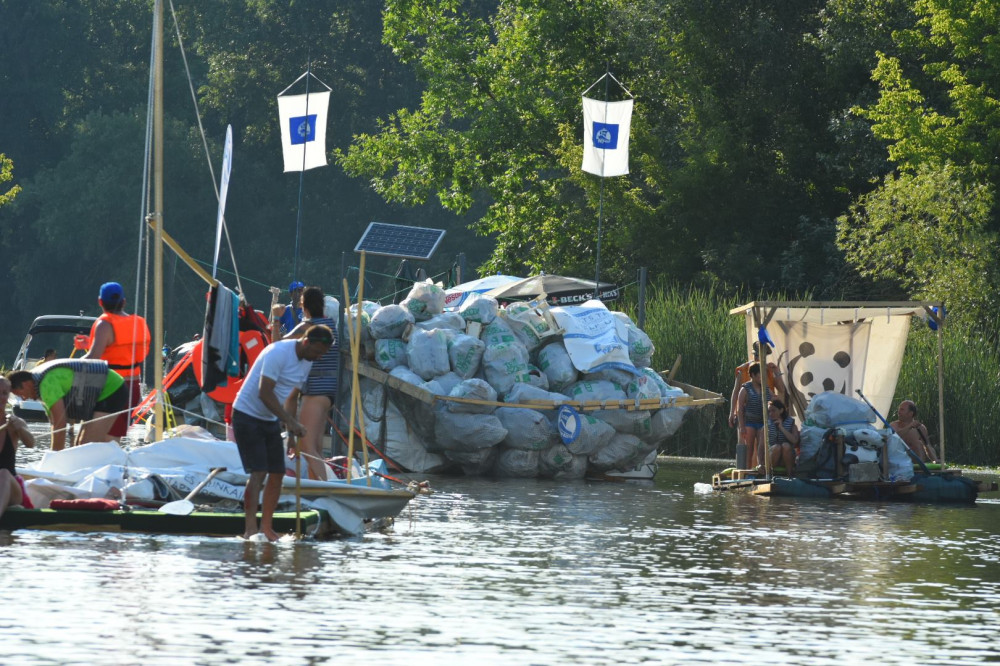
<point x="600" y="208"/>
<point x="334" y="444"/>
<point x="460" y="278"/>
<point x="302" y="176"/>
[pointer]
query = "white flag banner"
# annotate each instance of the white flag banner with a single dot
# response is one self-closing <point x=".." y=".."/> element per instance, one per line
<point x="605" y="136"/>
<point x="303" y="130"/>
<point x="227" y="167"/>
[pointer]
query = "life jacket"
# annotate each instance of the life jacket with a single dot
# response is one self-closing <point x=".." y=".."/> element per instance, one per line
<point x="130" y="346"/>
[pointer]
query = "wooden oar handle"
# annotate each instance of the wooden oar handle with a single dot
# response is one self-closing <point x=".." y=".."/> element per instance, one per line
<point x="204" y="482"/>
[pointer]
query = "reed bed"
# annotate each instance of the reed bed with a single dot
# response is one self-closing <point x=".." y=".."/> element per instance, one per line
<point x="971" y="392"/>
<point x="695" y="323"/>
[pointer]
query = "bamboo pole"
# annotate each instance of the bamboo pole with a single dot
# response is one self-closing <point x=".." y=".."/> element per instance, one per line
<point x="940" y="369"/>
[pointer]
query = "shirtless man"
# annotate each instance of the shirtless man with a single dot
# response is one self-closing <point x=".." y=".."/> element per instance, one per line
<point x="913" y="432"/>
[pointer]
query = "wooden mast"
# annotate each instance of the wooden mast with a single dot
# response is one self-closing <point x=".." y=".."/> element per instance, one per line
<point x="158" y="216"/>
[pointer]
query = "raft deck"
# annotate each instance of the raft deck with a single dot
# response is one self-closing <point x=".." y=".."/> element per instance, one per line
<point x="315" y="523"/>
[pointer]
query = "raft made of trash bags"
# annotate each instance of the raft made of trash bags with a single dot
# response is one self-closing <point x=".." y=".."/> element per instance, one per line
<point x="480" y="389"/>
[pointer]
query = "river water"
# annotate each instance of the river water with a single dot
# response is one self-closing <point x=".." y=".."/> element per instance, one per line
<point x="530" y="572"/>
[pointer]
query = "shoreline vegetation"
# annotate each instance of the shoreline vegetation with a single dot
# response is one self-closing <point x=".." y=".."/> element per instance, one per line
<point x="695" y="323"/>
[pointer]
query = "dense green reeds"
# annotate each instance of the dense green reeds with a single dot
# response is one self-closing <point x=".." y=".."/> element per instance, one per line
<point x="695" y="324"/>
<point x="971" y="391"/>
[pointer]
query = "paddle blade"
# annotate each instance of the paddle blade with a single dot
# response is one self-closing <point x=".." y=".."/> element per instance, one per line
<point x="181" y="507"/>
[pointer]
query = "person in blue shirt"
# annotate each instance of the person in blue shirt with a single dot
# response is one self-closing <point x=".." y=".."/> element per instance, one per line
<point x="286" y="317"/>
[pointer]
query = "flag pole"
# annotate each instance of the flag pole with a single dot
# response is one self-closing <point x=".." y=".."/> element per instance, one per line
<point x="600" y="207"/>
<point x="302" y="175"/>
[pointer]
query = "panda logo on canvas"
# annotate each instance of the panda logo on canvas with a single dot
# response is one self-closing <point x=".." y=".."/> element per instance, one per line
<point x="812" y="375"/>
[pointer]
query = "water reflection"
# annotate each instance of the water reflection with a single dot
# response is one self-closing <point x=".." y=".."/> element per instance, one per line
<point x="530" y="571"/>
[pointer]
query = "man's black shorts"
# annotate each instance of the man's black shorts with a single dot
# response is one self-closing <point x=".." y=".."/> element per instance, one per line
<point x="259" y="443"/>
<point x="114" y="403"/>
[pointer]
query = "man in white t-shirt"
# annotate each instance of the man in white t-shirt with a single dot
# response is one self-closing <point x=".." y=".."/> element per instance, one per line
<point x="258" y="412"/>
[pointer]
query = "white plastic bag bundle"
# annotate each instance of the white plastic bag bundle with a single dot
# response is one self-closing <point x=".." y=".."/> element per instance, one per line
<point x="448" y="320"/>
<point x="402" y="444"/>
<point x="497" y="332"/>
<point x="505" y="365"/>
<point x="448" y="381"/>
<point x="558" y="462"/>
<point x="390" y="352"/>
<point x="810" y="439"/>
<point x="515" y="464"/>
<point x="537" y="378"/>
<point x="472" y="389"/>
<point x="594" y="435"/>
<point x="474" y="463"/>
<point x="642" y="387"/>
<point x="522" y="393"/>
<point x="407" y="375"/>
<point x="350" y="321"/>
<point x="480" y="308"/>
<point x="434" y="386"/>
<point x="596" y="390"/>
<point x="614" y="375"/>
<point x="465" y="353"/>
<point x="557" y="366"/>
<point x="427" y="353"/>
<point x="425" y="300"/>
<point x="831" y="409"/>
<point x="636" y="423"/>
<point x="331" y="308"/>
<point x="618" y="453"/>
<point x="665" y="388"/>
<point x="455" y="431"/>
<point x="527" y="324"/>
<point x="390" y="321"/>
<point x="664" y="423"/>
<point x="900" y="462"/>
<point x="640" y="346"/>
<point x="527" y="429"/>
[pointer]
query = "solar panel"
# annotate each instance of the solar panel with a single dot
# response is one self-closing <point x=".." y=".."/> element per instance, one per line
<point x="397" y="240"/>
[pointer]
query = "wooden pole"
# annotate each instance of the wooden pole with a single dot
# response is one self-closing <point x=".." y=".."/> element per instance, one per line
<point x="762" y="363"/>
<point x="940" y="368"/>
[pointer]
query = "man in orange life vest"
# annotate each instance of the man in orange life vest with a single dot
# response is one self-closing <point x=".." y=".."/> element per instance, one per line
<point x="123" y="341"/>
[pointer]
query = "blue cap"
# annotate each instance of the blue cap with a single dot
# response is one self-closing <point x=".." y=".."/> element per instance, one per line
<point x="296" y="285"/>
<point x="111" y="293"/>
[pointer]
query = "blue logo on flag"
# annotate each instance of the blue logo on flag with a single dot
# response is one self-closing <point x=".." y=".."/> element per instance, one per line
<point x="302" y="129"/>
<point x="605" y="136"/>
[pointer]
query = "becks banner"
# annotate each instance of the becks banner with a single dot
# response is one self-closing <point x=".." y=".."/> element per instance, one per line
<point x="605" y="136"/>
<point x="303" y="130"/>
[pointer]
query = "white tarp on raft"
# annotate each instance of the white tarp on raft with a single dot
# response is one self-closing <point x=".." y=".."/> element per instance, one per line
<point x="838" y="347"/>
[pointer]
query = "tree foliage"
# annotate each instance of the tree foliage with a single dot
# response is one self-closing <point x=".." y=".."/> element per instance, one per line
<point x="932" y="226"/>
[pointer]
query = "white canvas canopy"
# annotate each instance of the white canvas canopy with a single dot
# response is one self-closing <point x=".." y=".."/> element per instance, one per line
<point x="839" y="346"/>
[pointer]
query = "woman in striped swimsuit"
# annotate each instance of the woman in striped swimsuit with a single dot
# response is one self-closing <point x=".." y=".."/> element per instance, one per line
<point x="320" y="391"/>
<point x="750" y="416"/>
<point x="783" y="436"/>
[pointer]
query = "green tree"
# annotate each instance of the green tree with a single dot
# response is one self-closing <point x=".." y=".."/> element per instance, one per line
<point x="730" y="120"/>
<point x="927" y="231"/>
<point x="6" y="175"/>
<point x="932" y="227"/>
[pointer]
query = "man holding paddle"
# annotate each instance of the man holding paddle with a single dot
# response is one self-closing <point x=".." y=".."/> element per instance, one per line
<point x="258" y="413"/>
